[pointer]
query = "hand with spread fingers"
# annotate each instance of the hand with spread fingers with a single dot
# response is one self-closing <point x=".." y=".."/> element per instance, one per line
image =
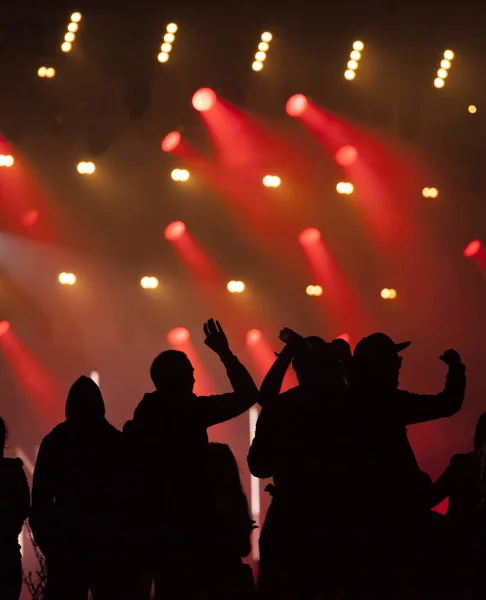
<point x="215" y="337"/>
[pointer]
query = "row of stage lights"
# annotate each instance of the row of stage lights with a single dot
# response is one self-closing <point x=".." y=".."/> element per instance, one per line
<point x="443" y="72"/>
<point x="149" y="282"/>
<point x="261" y="54"/>
<point x="70" y="34"/>
<point x="167" y="42"/>
<point x="353" y="62"/>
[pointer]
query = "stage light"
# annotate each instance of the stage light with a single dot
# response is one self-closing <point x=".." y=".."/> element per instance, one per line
<point x="73" y="27"/>
<point x="448" y="55"/>
<point x="69" y="37"/>
<point x="171" y="141"/>
<point x="253" y="337"/>
<point x="472" y="109"/>
<point x="180" y="175"/>
<point x="86" y="168"/>
<point x="439" y="83"/>
<point x="430" y="192"/>
<point x="178" y="335"/>
<point x="169" y="38"/>
<point x="172" y="28"/>
<point x="163" y="57"/>
<point x="442" y="73"/>
<point x="445" y="64"/>
<point x="204" y="99"/>
<point x="263" y="46"/>
<point x="4" y="328"/>
<point x="166" y="48"/>
<point x="30" y="218"/>
<point x="257" y="65"/>
<point x="261" y="56"/>
<point x="6" y="160"/>
<point x="353" y="65"/>
<point x="66" y="47"/>
<point x="76" y="17"/>
<point x="359" y="46"/>
<point x="149" y="282"/>
<point x="385" y="293"/>
<point x="296" y="105"/>
<point x="472" y="248"/>
<point x="313" y="290"/>
<point x="355" y="55"/>
<point x="266" y="37"/>
<point x="344" y="187"/>
<point x="272" y="181"/>
<point x="236" y="287"/>
<point x="42" y="72"/>
<point x="174" y="231"/>
<point x="392" y="294"/>
<point x="50" y="73"/>
<point x="67" y="278"/>
<point x="349" y="75"/>
<point x="309" y="236"/>
<point x="346" y="156"/>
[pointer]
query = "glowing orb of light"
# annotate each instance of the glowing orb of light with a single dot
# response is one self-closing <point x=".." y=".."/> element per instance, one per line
<point x="349" y="75"/>
<point x="76" y="17"/>
<point x="359" y="46"/>
<point x="392" y="294"/>
<point x="172" y="28"/>
<point x="171" y="141"/>
<point x="204" y="99"/>
<point x="344" y="187"/>
<point x="472" y="109"/>
<point x="169" y="38"/>
<point x="178" y="335"/>
<point x="4" y="327"/>
<point x="163" y="57"/>
<point x="296" y="105"/>
<point x="42" y="71"/>
<point x="346" y="156"/>
<point x="309" y="236"/>
<point x="236" y="287"/>
<point x="253" y="337"/>
<point x="439" y="83"/>
<point x="257" y="65"/>
<point x="30" y="218"/>
<point x="266" y="37"/>
<point x="66" y="47"/>
<point x="472" y="248"/>
<point x="448" y="55"/>
<point x="67" y="278"/>
<point x="174" y="231"/>
<point x="149" y="283"/>
<point x="313" y="290"/>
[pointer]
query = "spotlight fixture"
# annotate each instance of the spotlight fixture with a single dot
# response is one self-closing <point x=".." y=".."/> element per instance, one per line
<point x="309" y="236"/>
<point x="70" y="35"/>
<point x="430" y="192"/>
<point x="235" y="287"/>
<point x="6" y="160"/>
<point x="443" y="71"/>
<point x="272" y="181"/>
<point x="388" y="294"/>
<point x="86" y="168"/>
<point x="313" y="290"/>
<point x="4" y="328"/>
<point x="353" y="62"/>
<point x="472" y="248"/>
<point x="67" y="278"/>
<point x="149" y="282"/>
<point x="471" y="109"/>
<point x="174" y="231"/>
<point x="204" y="99"/>
<point x="253" y="337"/>
<point x="296" y="105"/>
<point x="180" y="175"/>
<point x="171" y="141"/>
<point x="261" y="54"/>
<point x="178" y="335"/>
<point x="46" y="72"/>
<point x="167" y="42"/>
<point x="344" y="187"/>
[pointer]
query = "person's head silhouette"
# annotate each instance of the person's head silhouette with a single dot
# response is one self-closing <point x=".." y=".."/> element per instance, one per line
<point x="480" y="434"/>
<point x="172" y="370"/>
<point x="84" y="402"/>
<point x="316" y="363"/>
<point x="376" y="362"/>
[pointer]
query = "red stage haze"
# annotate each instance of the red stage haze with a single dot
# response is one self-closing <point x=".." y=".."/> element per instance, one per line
<point x="472" y="248"/>
<point x="171" y="141"/>
<point x="4" y="327"/>
<point x="174" y="231"/>
<point x="178" y="335"/>
<point x="30" y="218"/>
<point x="346" y="156"/>
<point x="204" y="99"/>
<point x="296" y="105"/>
<point x="309" y="236"/>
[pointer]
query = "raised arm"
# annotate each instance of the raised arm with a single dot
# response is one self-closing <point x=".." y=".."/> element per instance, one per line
<point x="43" y="495"/>
<point x="419" y="408"/>
<point x="223" y="407"/>
<point x="263" y="454"/>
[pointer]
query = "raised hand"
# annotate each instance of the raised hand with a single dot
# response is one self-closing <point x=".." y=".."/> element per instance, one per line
<point x="451" y="358"/>
<point x="293" y="340"/>
<point x="215" y="337"/>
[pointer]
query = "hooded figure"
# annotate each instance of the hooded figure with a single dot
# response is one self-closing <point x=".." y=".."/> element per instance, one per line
<point x="72" y="494"/>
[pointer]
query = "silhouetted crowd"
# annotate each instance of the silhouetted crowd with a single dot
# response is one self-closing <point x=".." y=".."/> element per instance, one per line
<point x="157" y="504"/>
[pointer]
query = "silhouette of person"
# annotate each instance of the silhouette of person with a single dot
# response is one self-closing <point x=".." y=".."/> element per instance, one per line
<point x="166" y="448"/>
<point x="389" y="488"/>
<point x="291" y="446"/>
<point x="14" y="509"/>
<point x="463" y="482"/>
<point x="72" y="497"/>
<point x="229" y="538"/>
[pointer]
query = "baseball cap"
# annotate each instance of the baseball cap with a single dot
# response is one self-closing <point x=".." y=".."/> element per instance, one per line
<point x="378" y="345"/>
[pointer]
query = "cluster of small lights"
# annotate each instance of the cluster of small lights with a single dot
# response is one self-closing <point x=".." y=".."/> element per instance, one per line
<point x="67" y="278"/>
<point x="430" y="192"/>
<point x="166" y="47"/>
<point x="313" y="290"/>
<point x="70" y="34"/>
<point x="261" y="54"/>
<point x="236" y="287"/>
<point x="443" y="72"/>
<point x="6" y="160"/>
<point x="344" y="187"/>
<point x="149" y="283"/>
<point x="180" y="175"/>
<point x="272" y="181"/>
<point x="388" y="294"/>
<point x="46" y="72"/>
<point x="86" y="168"/>
<point x="353" y="62"/>
<point x="471" y="109"/>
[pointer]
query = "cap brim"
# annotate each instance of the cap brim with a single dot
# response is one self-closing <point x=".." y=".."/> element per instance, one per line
<point x="402" y="345"/>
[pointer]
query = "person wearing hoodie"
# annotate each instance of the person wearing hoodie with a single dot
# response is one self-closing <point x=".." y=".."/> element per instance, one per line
<point x="166" y="488"/>
<point x="14" y="509"/>
<point x="72" y="497"/>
